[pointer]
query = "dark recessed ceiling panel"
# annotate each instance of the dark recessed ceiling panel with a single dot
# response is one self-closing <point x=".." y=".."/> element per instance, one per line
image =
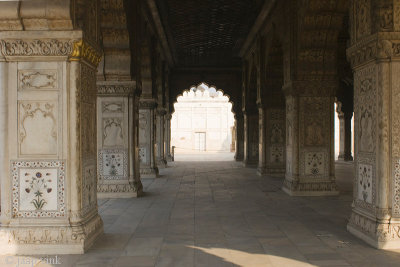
<point x="208" y="32"/>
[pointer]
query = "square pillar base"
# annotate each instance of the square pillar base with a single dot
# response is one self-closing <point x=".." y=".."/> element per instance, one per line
<point x="312" y="189"/>
<point x="55" y="239"/>
<point x="149" y="172"/>
<point x="378" y="235"/>
<point x="124" y="190"/>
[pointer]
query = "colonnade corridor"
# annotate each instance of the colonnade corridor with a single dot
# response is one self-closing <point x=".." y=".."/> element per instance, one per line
<point x="222" y="214"/>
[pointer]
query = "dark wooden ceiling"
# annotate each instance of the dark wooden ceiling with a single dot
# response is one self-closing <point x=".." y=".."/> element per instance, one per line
<point x="208" y="33"/>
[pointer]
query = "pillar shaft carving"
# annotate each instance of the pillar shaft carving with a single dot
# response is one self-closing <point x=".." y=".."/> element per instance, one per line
<point x="309" y="144"/>
<point x="374" y="56"/>
<point x="272" y="141"/>
<point x="251" y="136"/>
<point x="168" y="148"/>
<point x="239" y="145"/>
<point x="345" y="133"/>
<point x="160" y="138"/>
<point x="118" y="163"/>
<point x="50" y="180"/>
<point x="147" y="138"/>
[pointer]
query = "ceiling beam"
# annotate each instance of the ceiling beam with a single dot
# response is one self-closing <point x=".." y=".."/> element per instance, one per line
<point x="264" y="13"/>
<point x="170" y="55"/>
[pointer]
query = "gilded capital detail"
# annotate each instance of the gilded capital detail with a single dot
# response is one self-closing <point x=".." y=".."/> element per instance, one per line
<point x="83" y="50"/>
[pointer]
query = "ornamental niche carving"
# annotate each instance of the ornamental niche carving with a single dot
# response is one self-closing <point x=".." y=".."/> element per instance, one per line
<point x="112" y="107"/>
<point x="365" y="106"/>
<point x="113" y="132"/>
<point x="314" y="117"/>
<point x="38" y="79"/>
<point x="362" y="17"/>
<point x="37" y="128"/>
<point x="386" y="18"/>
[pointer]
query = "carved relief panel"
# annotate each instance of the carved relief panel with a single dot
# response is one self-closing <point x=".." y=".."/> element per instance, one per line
<point x="362" y="17"/>
<point x="113" y="137"/>
<point x="38" y="102"/>
<point x="37" y="127"/>
<point x="276" y="136"/>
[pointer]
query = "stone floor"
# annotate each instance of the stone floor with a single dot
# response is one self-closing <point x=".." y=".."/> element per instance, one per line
<point x="221" y="214"/>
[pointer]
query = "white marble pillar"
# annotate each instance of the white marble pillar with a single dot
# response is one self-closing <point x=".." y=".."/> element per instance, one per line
<point x="345" y="133"/>
<point x="147" y="138"/>
<point x="251" y="135"/>
<point x="4" y="183"/>
<point x="49" y="202"/>
<point x="117" y="111"/>
<point x="239" y="146"/>
<point x="374" y="54"/>
<point x="272" y="148"/>
<point x="168" y="138"/>
<point x="262" y="152"/>
<point x="160" y="138"/>
<point x="310" y="169"/>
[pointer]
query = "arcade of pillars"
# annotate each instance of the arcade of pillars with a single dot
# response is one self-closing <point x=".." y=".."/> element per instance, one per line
<point x="87" y="91"/>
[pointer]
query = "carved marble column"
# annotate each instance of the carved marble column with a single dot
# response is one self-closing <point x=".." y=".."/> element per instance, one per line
<point x="49" y="203"/>
<point x="262" y="155"/>
<point x="168" y="137"/>
<point x="160" y="138"/>
<point x="374" y="55"/>
<point x="147" y="138"/>
<point x="239" y="149"/>
<point x="345" y="135"/>
<point x="251" y="139"/>
<point x="118" y="163"/>
<point x="310" y="169"/>
<point x="272" y="146"/>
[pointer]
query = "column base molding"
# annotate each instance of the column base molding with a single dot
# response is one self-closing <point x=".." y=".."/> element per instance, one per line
<point x="377" y="234"/>
<point x="269" y="171"/>
<point x="44" y="240"/>
<point x="250" y="163"/>
<point x="170" y="158"/>
<point x="119" y="190"/>
<point x="161" y="163"/>
<point x="149" y="172"/>
<point x="239" y="158"/>
<point x="296" y="188"/>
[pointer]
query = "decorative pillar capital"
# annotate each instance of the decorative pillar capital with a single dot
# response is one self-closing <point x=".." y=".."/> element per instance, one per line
<point x="113" y="88"/>
<point x="83" y="50"/>
<point x="311" y="88"/>
<point x="147" y="103"/>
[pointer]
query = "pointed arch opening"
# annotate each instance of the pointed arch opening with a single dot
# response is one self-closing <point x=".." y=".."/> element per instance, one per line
<point x="202" y="125"/>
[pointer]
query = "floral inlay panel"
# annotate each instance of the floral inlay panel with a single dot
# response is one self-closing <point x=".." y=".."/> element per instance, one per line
<point x="113" y="164"/>
<point x="314" y="163"/>
<point x="365" y="183"/>
<point x="38" y="188"/>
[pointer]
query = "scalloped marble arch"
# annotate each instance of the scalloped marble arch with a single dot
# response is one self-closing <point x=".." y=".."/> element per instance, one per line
<point x="209" y="87"/>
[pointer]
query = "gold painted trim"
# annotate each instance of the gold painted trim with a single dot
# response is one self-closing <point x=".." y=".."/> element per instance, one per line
<point x="83" y="50"/>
